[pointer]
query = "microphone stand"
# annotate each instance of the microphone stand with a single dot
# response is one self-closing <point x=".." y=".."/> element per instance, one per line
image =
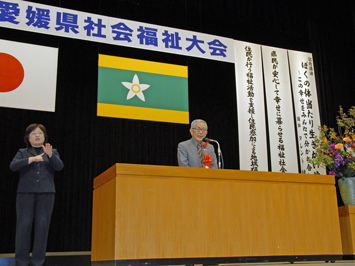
<point x="219" y="155"/>
<point x="218" y="151"/>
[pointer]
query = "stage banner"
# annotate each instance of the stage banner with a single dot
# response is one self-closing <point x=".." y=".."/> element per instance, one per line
<point x="306" y="108"/>
<point x="282" y="136"/>
<point x="142" y="90"/>
<point x="28" y="76"/>
<point x="250" y="106"/>
<point x="57" y="21"/>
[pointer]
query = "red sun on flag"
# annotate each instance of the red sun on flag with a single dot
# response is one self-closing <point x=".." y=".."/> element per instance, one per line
<point x="11" y="73"/>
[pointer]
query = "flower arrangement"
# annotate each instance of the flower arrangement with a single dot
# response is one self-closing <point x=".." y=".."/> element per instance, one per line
<point x="336" y="151"/>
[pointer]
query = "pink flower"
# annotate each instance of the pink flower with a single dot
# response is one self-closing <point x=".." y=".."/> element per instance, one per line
<point x="332" y="173"/>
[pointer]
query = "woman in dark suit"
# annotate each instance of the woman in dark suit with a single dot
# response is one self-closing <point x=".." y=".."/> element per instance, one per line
<point x="35" y="194"/>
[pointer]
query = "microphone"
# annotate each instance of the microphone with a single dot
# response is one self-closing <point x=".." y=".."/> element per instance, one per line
<point x="207" y="139"/>
<point x="212" y="140"/>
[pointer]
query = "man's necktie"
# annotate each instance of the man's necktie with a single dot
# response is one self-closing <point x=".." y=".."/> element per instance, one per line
<point x="199" y="150"/>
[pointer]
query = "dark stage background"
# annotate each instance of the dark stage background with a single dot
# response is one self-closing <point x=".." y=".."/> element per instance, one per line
<point x="89" y="145"/>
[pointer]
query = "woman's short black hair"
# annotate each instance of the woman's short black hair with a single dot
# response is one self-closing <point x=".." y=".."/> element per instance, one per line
<point x="32" y="127"/>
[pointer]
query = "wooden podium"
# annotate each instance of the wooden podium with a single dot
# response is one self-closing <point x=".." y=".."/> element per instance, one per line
<point x="145" y="214"/>
<point x="347" y="226"/>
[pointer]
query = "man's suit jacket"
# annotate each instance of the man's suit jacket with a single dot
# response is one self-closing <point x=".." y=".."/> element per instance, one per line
<point x="36" y="177"/>
<point x="188" y="156"/>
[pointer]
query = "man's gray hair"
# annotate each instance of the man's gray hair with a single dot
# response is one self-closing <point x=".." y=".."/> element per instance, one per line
<point x="198" y="121"/>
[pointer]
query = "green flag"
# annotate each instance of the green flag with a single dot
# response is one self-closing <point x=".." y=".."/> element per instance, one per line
<point x="143" y="90"/>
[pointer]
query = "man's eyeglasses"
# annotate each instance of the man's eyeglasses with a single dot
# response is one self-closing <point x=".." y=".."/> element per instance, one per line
<point x="198" y="129"/>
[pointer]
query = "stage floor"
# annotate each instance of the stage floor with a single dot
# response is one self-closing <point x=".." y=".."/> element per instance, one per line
<point x="54" y="259"/>
<point x="300" y="263"/>
<point x="84" y="259"/>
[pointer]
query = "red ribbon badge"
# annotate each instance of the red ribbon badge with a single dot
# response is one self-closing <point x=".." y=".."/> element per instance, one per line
<point x="205" y="145"/>
<point x="207" y="160"/>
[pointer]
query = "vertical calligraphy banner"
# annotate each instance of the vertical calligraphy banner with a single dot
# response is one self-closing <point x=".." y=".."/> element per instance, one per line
<point x="251" y="107"/>
<point x="282" y="136"/>
<point x="306" y="107"/>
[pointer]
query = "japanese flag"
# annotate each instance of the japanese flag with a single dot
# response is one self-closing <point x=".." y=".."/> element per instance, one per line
<point x="28" y="76"/>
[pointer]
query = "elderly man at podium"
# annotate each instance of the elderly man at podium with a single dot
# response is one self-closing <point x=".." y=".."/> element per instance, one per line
<point x="195" y="152"/>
